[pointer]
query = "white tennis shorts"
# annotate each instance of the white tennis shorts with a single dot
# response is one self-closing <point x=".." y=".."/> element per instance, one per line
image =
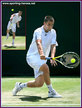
<point x="35" y="62"/>
<point x="11" y="26"/>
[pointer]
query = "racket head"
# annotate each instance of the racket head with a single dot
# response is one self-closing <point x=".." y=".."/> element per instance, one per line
<point x="69" y="59"/>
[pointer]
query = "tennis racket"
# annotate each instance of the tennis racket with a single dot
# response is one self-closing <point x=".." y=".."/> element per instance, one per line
<point x="68" y="59"/>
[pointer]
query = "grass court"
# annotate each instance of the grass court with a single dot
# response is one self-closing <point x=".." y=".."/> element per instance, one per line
<point x="68" y="87"/>
<point x="20" y="43"/>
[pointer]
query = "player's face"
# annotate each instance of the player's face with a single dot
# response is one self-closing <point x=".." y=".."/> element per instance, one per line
<point x="48" y="25"/>
<point x="20" y="13"/>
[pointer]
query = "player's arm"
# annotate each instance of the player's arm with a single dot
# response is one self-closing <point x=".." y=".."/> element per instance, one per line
<point x="53" y="51"/>
<point x="40" y="49"/>
<point x="18" y="24"/>
<point x="12" y="17"/>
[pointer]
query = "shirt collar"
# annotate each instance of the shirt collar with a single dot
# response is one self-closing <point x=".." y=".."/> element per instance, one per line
<point x="44" y="30"/>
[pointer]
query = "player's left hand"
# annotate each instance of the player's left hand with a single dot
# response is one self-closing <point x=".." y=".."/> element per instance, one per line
<point x="53" y="62"/>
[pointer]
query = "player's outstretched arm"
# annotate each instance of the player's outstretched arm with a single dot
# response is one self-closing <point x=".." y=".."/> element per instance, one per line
<point x="40" y="49"/>
<point x="12" y="17"/>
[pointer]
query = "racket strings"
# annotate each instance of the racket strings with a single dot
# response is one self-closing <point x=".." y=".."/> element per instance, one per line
<point x="63" y="59"/>
<point x="66" y="60"/>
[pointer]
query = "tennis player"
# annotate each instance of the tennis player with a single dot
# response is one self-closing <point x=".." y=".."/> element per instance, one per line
<point x="14" y="19"/>
<point x="44" y="39"/>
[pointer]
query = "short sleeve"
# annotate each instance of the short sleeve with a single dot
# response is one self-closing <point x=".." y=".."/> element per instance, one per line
<point x="37" y="34"/>
<point x="53" y="41"/>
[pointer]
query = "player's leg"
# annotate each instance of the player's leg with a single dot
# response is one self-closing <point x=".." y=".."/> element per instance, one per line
<point x="13" y="30"/>
<point x="46" y="73"/>
<point x="45" y="69"/>
<point x="13" y="39"/>
<point x="41" y="75"/>
<point x="8" y="29"/>
<point x="44" y="76"/>
<point x="39" y="78"/>
<point x="7" y="35"/>
<point x="39" y="81"/>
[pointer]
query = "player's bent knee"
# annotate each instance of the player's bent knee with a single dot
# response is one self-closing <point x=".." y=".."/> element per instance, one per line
<point x="13" y="33"/>
<point x="44" y="68"/>
<point x="39" y="82"/>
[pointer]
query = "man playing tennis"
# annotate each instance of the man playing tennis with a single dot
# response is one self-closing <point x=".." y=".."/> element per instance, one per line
<point x="14" y="19"/>
<point x="44" y="39"/>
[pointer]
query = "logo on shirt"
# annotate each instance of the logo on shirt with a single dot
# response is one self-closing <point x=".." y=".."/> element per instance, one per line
<point x="45" y="34"/>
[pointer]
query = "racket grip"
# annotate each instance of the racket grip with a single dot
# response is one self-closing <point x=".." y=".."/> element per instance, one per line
<point x="48" y="58"/>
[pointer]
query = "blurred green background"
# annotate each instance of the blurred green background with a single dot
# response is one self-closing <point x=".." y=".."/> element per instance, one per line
<point x="67" y="26"/>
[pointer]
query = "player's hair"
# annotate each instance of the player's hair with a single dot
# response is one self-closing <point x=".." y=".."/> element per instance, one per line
<point x="48" y="18"/>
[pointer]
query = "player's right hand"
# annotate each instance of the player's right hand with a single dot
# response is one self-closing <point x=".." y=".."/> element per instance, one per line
<point x="42" y="57"/>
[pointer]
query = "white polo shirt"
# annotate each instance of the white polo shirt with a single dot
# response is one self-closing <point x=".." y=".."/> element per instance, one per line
<point x="48" y="39"/>
<point x="16" y="18"/>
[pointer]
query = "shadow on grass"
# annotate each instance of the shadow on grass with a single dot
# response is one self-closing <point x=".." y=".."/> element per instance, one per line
<point x="33" y="98"/>
<point x="9" y="46"/>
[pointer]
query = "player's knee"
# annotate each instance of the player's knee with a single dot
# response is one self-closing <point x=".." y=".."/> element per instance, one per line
<point x="13" y="33"/>
<point x="45" y="68"/>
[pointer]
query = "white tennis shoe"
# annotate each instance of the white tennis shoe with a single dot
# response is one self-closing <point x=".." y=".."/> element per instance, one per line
<point x="17" y="88"/>
<point x="54" y="94"/>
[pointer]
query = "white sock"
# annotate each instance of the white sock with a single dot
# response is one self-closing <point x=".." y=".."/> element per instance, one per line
<point x="13" y="41"/>
<point x="23" y="85"/>
<point x="50" y="87"/>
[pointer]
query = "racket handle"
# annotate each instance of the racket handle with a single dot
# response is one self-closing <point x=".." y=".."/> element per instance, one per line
<point x="48" y="58"/>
